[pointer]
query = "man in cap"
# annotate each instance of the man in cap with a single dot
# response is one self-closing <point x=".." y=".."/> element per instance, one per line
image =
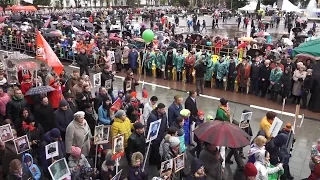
<point x="137" y="140"/>
<point x="159" y="62"/>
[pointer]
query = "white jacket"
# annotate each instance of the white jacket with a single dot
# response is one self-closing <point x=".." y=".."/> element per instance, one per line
<point x="146" y="111"/>
<point x="262" y="166"/>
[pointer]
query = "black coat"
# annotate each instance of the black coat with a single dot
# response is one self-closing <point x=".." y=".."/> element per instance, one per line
<point x="136" y="143"/>
<point x="14" y="107"/>
<point x="44" y="116"/>
<point x="154" y="116"/>
<point x="200" y="70"/>
<point x="63" y="119"/>
<point x="255" y="71"/>
<point x="82" y="60"/>
<point x="192" y="107"/>
<point x="264" y="72"/>
<point x="315" y="90"/>
<point x="106" y="76"/>
<point x="307" y="84"/>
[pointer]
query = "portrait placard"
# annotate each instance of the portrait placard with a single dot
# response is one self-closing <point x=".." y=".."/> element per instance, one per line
<point x="153" y="130"/>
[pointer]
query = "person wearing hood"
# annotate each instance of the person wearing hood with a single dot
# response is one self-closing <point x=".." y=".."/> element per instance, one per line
<point x="212" y="161"/>
<point x="275" y="85"/>
<point x="30" y="166"/>
<point x="15" y="105"/>
<point x="83" y="61"/>
<point x="52" y="136"/>
<point x="264" y="168"/>
<point x="63" y="116"/>
<point x="108" y="170"/>
<point x="135" y="170"/>
<point x="76" y="161"/>
<point x="4" y="99"/>
<point x="107" y="75"/>
<point x="104" y="112"/>
<point x="197" y="170"/>
<point x="220" y="71"/>
<point x="44" y="115"/>
<point x="156" y="114"/>
<point x="78" y="134"/>
<point x="17" y="172"/>
<point x="121" y="125"/>
<point x="223" y="112"/>
<point x="121" y="95"/>
<point x="286" y="83"/>
<point x="148" y="107"/>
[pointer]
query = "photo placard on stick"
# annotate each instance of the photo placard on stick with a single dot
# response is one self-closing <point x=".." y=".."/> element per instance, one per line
<point x="6" y="133"/>
<point x="59" y="169"/>
<point x="153" y="130"/>
<point x="22" y="144"/>
<point x="275" y="127"/>
<point x="108" y="84"/>
<point x="52" y="150"/>
<point x="117" y="146"/>
<point x="97" y="80"/>
<point x="166" y="168"/>
<point x="117" y="176"/>
<point x="245" y="119"/>
<point x="101" y="134"/>
<point x="179" y="162"/>
<point x="128" y="86"/>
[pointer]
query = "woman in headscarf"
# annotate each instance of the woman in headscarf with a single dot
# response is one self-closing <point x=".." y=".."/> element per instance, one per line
<point x="298" y="77"/>
<point x="78" y="134"/>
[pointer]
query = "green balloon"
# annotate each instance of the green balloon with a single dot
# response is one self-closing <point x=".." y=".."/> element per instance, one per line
<point x="147" y="35"/>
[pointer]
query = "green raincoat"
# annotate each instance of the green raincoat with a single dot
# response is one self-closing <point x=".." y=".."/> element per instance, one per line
<point x="221" y="69"/>
<point x="275" y="77"/>
<point x="159" y="60"/>
<point x="275" y="176"/>
<point x="178" y="62"/>
<point x="148" y="59"/>
<point x="209" y="70"/>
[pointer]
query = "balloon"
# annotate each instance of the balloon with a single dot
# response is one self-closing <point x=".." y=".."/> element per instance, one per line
<point x="147" y="35"/>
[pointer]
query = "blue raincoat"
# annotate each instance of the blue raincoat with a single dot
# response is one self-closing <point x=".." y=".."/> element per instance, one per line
<point x="34" y="169"/>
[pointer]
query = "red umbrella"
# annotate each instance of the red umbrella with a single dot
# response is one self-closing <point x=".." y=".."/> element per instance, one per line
<point x="306" y="57"/>
<point x="221" y="133"/>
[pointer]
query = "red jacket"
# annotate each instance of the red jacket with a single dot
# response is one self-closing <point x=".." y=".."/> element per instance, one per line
<point x="25" y="88"/>
<point x="55" y="96"/>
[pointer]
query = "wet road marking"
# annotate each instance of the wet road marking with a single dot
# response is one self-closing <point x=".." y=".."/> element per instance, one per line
<point x="210" y="97"/>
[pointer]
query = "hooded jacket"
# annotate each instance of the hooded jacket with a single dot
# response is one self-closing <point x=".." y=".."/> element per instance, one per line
<point x="35" y="171"/>
<point x="196" y="164"/>
<point x="274" y="148"/>
<point x="263" y="167"/>
<point x="135" y="172"/>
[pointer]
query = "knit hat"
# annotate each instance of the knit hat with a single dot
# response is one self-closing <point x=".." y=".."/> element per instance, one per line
<point x="223" y="101"/>
<point x="174" y="141"/>
<point x="185" y="112"/>
<point x="250" y="170"/>
<point x="63" y="103"/>
<point x="119" y="113"/>
<point x="75" y="151"/>
<point x="79" y="114"/>
<point x="200" y="113"/>
<point x="209" y="117"/>
<point x="55" y="133"/>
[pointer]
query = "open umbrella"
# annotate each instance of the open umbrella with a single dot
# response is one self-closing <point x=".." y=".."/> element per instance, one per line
<point x="245" y="39"/>
<point x="261" y="34"/>
<point x="221" y="133"/>
<point x="39" y="90"/>
<point x="296" y="30"/>
<point x="115" y="38"/>
<point x="260" y="39"/>
<point x="26" y="65"/>
<point x="254" y="52"/>
<point x="307" y="56"/>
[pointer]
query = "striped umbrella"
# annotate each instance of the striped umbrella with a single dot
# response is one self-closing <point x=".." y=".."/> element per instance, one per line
<point x="221" y="133"/>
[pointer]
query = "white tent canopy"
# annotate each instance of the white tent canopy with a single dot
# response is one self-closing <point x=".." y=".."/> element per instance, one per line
<point x="251" y="7"/>
<point x="288" y="6"/>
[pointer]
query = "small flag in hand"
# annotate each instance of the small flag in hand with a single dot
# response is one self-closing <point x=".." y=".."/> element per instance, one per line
<point x="144" y="91"/>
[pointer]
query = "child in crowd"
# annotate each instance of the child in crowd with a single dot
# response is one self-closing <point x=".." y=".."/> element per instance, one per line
<point x="30" y="166"/>
<point x="135" y="171"/>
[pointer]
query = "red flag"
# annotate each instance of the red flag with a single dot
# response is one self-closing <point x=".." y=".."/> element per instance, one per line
<point x="46" y="54"/>
<point x="116" y="105"/>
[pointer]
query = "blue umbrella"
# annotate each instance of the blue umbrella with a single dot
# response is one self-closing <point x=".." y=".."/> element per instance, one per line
<point x="40" y="90"/>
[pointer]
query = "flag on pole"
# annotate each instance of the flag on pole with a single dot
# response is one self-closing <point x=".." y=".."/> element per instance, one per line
<point x="46" y="54"/>
<point x="144" y="91"/>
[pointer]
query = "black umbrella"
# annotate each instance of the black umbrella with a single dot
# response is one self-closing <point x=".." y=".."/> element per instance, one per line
<point x="114" y="31"/>
<point x="126" y="33"/>
<point x="16" y="17"/>
<point x="296" y="29"/>
<point x="254" y="52"/>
